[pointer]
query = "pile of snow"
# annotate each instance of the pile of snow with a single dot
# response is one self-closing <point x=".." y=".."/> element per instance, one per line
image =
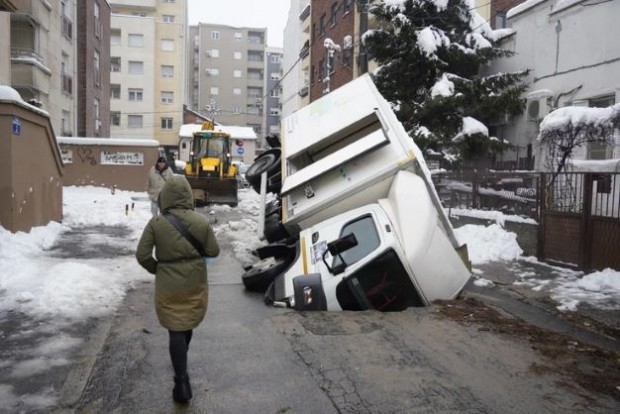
<point x="491" y="243"/>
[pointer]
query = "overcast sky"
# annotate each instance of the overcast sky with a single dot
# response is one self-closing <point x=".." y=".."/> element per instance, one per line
<point x="271" y="14"/>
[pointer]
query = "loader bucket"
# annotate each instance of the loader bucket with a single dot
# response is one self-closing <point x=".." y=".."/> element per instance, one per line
<point x="214" y="190"/>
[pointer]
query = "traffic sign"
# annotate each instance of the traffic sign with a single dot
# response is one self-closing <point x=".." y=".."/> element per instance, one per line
<point x="240" y="151"/>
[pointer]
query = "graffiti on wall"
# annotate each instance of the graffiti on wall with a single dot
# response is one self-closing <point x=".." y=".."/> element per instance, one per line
<point x="121" y="158"/>
<point x="86" y="155"/>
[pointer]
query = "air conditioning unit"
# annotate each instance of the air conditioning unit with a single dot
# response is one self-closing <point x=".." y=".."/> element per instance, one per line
<point x="537" y="108"/>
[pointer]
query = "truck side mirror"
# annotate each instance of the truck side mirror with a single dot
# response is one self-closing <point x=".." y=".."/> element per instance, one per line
<point x="337" y="247"/>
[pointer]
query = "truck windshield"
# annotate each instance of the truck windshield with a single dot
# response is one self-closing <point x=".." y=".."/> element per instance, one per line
<point x="382" y="284"/>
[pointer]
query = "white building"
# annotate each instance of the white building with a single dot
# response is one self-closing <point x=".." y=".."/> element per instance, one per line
<point x="296" y="61"/>
<point x="574" y="57"/>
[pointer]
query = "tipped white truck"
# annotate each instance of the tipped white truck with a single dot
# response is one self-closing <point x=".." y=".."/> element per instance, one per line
<point x="357" y="194"/>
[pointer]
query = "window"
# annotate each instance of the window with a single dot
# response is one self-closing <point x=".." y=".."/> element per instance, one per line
<point x="500" y="20"/>
<point x="97" y="22"/>
<point x="167" y="71"/>
<point x="169" y="1"/>
<point x="115" y="91"/>
<point x="236" y="109"/>
<point x="115" y="37"/>
<point x="139" y="14"/>
<point x="600" y="150"/>
<point x="275" y="58"/>
<point x="167" y="18"/>
<point x="256" y="37"/>
<point x="115" y="118"/>
<point x="167" y="45"/>
<point x="334" y="11"/>
<point x="213" y="72"/>
<point x="238" y="35"/>
<point x="134" y="121"/>
<point x="166" y="123"/>
<point x="367" y="240"/>
<point x="255" y="92"/>
<point x="215" y="35"/>
<point x="236" y="91"/>
<point x="237" y="73"/>
<point x="135" y="94"/>
<point x="331" y="63"/>
<point x="167" y="97"/>
<point x="97" y="107"/>
<point x="237" y="55"/>
<point x="115" y="64"/>
<point x="274" y="111"/>
<point x="252" y="110"/>
<point x="66" y="124"/>
<point x="96" y="67"/>
<point x="347" y="6"/>
<point x="322" y="25"/>
<point x="136" y="67"/>
<point x="274" y="76"/>
<point x="214" y="90"/>
<point x="136" y="40"/>
<point x="275" y="93"/>
<point x="214" y="53"/>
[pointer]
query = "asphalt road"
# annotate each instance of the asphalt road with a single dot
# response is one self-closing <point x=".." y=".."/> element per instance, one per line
<point x="250" y="358"/>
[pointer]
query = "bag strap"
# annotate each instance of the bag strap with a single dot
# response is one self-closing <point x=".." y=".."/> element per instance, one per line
<point x="184" y="232"/>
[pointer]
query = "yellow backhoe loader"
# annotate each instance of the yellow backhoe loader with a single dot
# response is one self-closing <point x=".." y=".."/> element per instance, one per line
<point x="210" y="172"/>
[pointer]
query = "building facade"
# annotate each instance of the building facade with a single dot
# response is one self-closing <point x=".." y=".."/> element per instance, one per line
<point x="147" y="69"/>
<point x="554" y="39"/>
<point x="296" y="59"/>
<point x="44" y="58"/>
<point x="332" y="43"/>
<point x="93" y="61"/>
<point x="273" y="95"/>
<point x="227" y="74"/>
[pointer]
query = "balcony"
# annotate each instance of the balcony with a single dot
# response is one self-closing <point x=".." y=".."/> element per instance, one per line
<point x="305" y="50"/>
<point x="67" y="28"/>
<point x="304" y="13"/>
<point x="67" y="84"/>
<point x="144" y="4"/>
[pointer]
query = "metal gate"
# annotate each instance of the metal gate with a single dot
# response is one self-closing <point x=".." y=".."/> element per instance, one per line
<point x="580" y="219"/>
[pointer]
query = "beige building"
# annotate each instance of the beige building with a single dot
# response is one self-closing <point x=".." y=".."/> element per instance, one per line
<point x="227" y="74"/>
<point x="147" y="61"/>
<point x="5" y="44"/>
<point x="44" y="58"/>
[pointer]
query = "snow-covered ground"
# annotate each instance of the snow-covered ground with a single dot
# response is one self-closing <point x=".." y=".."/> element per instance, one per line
<point x="40" y="285"/>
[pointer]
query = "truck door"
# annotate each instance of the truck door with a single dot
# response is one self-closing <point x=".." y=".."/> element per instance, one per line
<point x="383" y="283"/>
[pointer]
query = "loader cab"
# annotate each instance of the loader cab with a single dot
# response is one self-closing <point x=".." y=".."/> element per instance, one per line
<point x="210" y="154"/>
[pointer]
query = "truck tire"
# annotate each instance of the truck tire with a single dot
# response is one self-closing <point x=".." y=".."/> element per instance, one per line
<point x="268" y="161"/>
<point x="262" y="273"/>
<point x="274" y="230"/>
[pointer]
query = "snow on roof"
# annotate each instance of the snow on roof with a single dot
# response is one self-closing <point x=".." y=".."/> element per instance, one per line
<point x="575" y="115"/>
<point x="236" y="132"/>
<point x="565" y="4"/>
<point x="526" y="5"/>
<point x="539" y="93"/>
<point x="108" y="141"/>
<point x="8" y="94"/>
<point x="499" y="34"/>
<point x="611" y="165"/>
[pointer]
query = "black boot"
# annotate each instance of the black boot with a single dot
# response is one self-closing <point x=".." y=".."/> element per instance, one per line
<point x="182" y="391"/>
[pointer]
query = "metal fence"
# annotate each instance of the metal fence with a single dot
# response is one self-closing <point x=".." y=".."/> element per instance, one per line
<point x="515" y="192"/>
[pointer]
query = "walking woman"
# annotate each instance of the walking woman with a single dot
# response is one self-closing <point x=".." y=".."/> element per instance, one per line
<point x="182" y="238"/>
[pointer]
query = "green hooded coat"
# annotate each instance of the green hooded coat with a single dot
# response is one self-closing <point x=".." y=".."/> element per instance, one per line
<point x="181" y="290"/>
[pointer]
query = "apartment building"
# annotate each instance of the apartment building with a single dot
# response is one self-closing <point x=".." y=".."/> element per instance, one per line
<point x="93" y="61"/>
<point x="44" y="58"/>
<point x="6" y="7"/>
<point x="227" y="74"/>
<point x="147" y="69"/>
<point x="296" y="60"/>
<point x="273" y="98"/>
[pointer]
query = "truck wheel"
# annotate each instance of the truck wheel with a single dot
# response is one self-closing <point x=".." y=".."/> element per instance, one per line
<point x="268" y="161"/>
<point x="262" y="273"/>
<point x="274" y="230"/>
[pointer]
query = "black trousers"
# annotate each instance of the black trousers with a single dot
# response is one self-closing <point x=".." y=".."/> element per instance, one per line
<point x="179" y="344"/>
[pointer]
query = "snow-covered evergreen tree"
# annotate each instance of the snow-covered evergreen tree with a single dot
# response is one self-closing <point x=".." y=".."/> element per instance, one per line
<point x="429" y="54"/>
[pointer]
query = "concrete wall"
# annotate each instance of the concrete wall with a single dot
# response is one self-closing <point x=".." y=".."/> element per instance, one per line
<point x="527" y="234"/>
<point x="121" y="163"/>
<point x="30" y="169"/>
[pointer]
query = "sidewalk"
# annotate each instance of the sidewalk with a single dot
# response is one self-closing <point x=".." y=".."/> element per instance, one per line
<point x="589" y="324"/>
